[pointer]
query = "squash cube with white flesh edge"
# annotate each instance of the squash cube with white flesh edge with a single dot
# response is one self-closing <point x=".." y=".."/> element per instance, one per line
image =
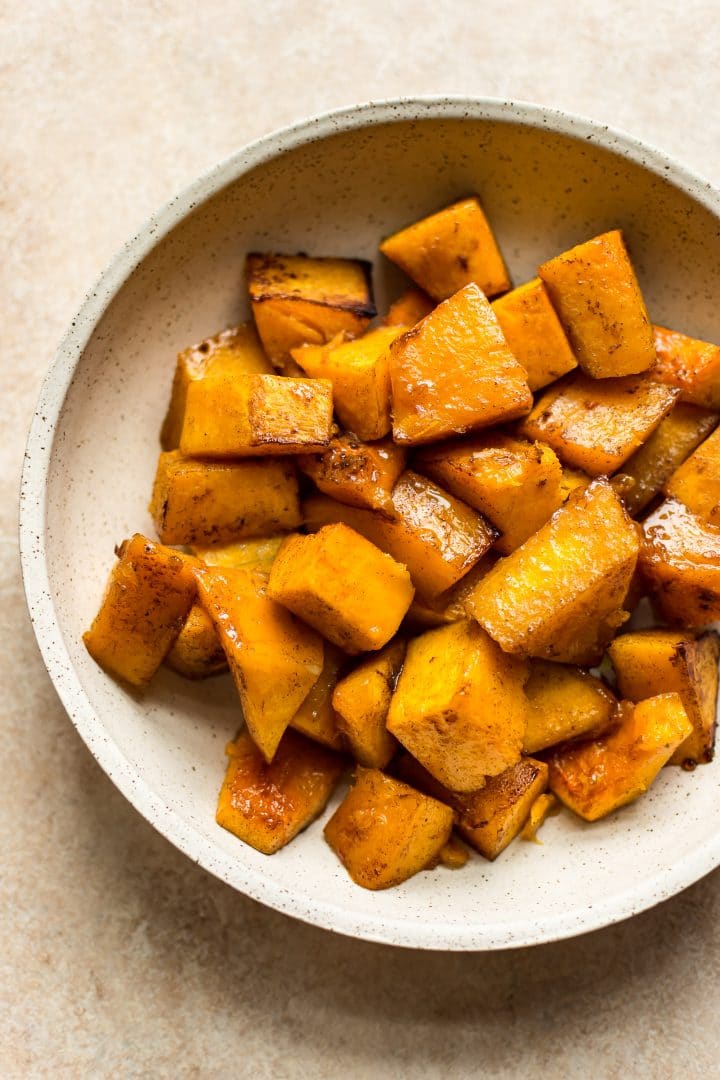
<point x="362" y="699"/>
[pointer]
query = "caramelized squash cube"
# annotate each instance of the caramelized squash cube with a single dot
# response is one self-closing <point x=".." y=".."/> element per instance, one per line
<point x="697" y="481"/>
<point x="409" y="308"/>
<point x="354" y="472"/>
<point x="316" y="717"/>
<point x="564" y="703"/>
<point x="692" y="366"/>
<point x="680" y="564"/>
<point x="534" y="333"/>
<point x="197" y="652"/>
<point x="362" y="699"/>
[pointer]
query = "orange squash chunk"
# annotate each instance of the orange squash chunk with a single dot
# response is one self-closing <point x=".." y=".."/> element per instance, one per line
<point x="267" y="805"/>
<point x="454" y="373"/>
<point x="534" y="333"/>
<point x="597" y="424"/>
<point x="233" y="352"/>
<point x="274" y="659"/>
<point x="356" y="472"/>
<point x="595" y="291"/>
<point x="296" y="300"/>
<point x="564" y="703"/>
<point x="149" y="594"/>
<point x="362" y="699"/>
<point x="680" y="563"/>
<point x="316" y="717"/>
<point x="256" y="554"/>
<point x="515" y="484"/>
<point x="450" y="249"/>
<point x="594" y="778"/>
<point x="197" y="652"/>
<point x="560" y="596"/>
<point x="697" y="481"/>
<point x="409" y="308"/>
<point x="545" y="806"/>
<point x="343" y="585"/>
<point x="384" y="831"/>
<point x="692" y="366"/>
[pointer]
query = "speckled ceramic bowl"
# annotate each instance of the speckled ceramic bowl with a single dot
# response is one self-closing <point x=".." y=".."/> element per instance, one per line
<point x="336" y="185"/>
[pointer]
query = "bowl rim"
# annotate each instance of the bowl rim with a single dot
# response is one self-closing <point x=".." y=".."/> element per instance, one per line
<point x="32" y="532"/>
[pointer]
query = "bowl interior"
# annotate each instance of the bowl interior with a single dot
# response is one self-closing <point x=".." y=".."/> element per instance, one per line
<point x="338" y="193"/>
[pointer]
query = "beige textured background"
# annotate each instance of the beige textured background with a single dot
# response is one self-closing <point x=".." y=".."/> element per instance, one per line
<point x="118" y="957"/>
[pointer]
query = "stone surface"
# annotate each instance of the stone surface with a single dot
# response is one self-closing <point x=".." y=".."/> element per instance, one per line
<point x="117" y="955"/>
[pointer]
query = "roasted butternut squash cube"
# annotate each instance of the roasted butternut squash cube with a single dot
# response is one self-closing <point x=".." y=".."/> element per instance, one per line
<point x="296" y="300"/>
<point x="356" y="472"/>
<point x="454" y="373"/>
<point x="564" y="703"/>
<point x="362" y="699"/>
<point x="534" y="333"/>
<point x="697" y="481"/>
<point x="197" y="652"/>
<point x="251" y="415"/>
<point x="597" y="424"/>
<point x="232" y="353"/>
<point x="147" y="599"/>
<point x="384" y="831"/>
<point x="680" y="564"/>
<point x="316" y="717"/>
<point x="594" y="778"/>
<point x="544" y="807"/>
<point x="257" y="554"/>
<point x="215" y="502"/>
<point x="409" y="308"/>
<point x="435" y="535"/>
<point x="515" y="484"/>
<point x="649" y="662"/>
<point x="595" y="292"/>
<point x="675" y="438"/>
<point x="267" y="805"/>
<point x="692" y="366"/>
<point x="451" y="605"/>
<point x="459" y="706"/>
<point x="450" y="249"/>
<point x="560" y="596"/>
<point x="274" y="659"/>
<point x="343" y="585"/>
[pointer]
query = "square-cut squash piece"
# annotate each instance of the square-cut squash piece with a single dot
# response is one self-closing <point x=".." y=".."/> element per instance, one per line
<point x="697" y="481"/>
<point x="147" y="599"/>
<point x="362" y="699"/>
<point x="435" y="535"/>
<point x="384" y="831"/>
<point x="267" y="805"/>
<point x="250" y="415"/>
<point x="316" y="717"/>
<point x="256" y="554"/>
<point x="214" y="502"/>
<point x="296" y="299"/>
<point x="459" y="706"/>
<point x="680" y="564"/>
<point x="233" y="352"/>
<point x="594" y="778"/>
<point x="596" y="424"/>
<point x="594" y="289"/>
<point x="273" y="657"/>
<point x="355" y="472"/>
<point x="692" y="366"/>
<point x="343" y="585"/>
<point x="515" y="484"/>
<point x="409" y="308"/>
<point x="454" y="373"/>
<point x="560" y="596"/>
<point x="564" y="703"/>
<point x="197" y="652"/>
<point x="450" y="249"/>
<point x="534" y="333"/>
<point x="649" y="662"/>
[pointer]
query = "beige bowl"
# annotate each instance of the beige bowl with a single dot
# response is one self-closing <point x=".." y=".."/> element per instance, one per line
<point x="335" y="186"/>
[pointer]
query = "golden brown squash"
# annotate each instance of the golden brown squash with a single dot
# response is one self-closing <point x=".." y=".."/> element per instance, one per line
<point x="680" y="564"/>
<point x="565" y="703"/>
<point x="544" y="807"/>
<point x="534" y="333"/>
<point x="316" y="717"/>
<point x="454" y="855"/>
<point x="697" y="481"/>
<point x="355" y="472"/>
<point x="362" y="699"/>
<point x="197" y="652"/>
<point x="409" y="308"/>
<point x="692" y="366"/>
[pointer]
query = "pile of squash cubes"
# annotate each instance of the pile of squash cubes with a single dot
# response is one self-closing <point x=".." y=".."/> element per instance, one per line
<point x="410" y="540"/>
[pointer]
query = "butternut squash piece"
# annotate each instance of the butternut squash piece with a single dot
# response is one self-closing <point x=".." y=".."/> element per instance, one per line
<point x="595" y="292"/>
<point x="545" y="806"/>
<point x="680" y="563"/>
<point x="250" y="415"/>
<point x="267" y="805"/>
<point x="515" y="484"/>
<point x="435" y="535"/>
<point x="534" y="333"/>
<point x="594" y="778"/>
<point x="384" y="831"/>
<point x="149" y="594"/>
<point x="274" y="659"/>
<point x="564" y="703"/>
<point x="454" y="855"/>
<point x="451" y="605"/>
<point x="571" y="480"/>
<point x="197" y="652"/>
<point x="255" y="554"/>
<point x="597" y="424"/>
<point x="692" y="366"/>
<point x="233" y="352"/>
<point x="450" y="249"/>
<point x="355" y="472"/>
<point x="560" y="596"/>
<point x="409" y="308"/>
<point x="459" y="706"/>
<point x="296" y="300"/>
<point x="697" y="481"/>
<point x="649" y="662"/>
<point x="316" y="717"/>
<point x="215" y="502"/>
<point x="362" y="699"/>
<point x="454" y="373"/>
<point x="344" y="586"/>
